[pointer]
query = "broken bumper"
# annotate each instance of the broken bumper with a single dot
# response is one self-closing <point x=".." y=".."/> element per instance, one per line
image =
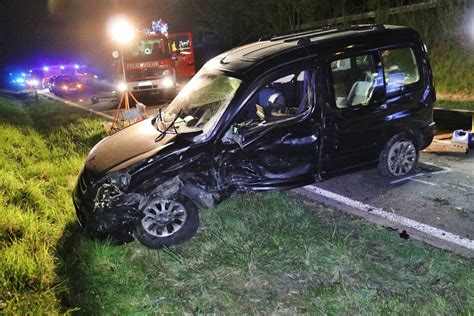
<point x="117" y="219"/>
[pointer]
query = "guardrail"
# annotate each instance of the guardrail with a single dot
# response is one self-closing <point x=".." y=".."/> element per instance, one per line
<point x="467" y="112"/>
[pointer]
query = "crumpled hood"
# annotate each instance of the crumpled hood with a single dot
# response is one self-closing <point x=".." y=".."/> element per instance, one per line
<point x="127" y="147"/>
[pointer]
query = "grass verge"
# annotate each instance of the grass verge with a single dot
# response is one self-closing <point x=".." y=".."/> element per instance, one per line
<point x="42" y="148"/>
<point x="257" y="253"/>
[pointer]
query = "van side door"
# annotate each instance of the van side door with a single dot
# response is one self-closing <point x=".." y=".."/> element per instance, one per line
<point x="407" y="88"/>
<point x="354" y="114"/>
<point x="273" y="141"/>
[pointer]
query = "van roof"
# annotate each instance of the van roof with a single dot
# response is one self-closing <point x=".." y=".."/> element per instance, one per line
<point x="305" y="43"/>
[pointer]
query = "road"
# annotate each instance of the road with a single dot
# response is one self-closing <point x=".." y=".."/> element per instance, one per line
<point x="107" y="103"/>
<point x="439" y="195"/>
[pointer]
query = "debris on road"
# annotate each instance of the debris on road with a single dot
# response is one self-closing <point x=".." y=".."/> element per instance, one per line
<point x="443" y="144"/>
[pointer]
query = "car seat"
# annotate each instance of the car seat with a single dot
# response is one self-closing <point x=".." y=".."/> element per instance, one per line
<point x="361" y="92"/>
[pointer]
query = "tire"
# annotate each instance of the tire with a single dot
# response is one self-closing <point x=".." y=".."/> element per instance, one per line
<point x="399" y="156"/>
<point x="155" y="234"/>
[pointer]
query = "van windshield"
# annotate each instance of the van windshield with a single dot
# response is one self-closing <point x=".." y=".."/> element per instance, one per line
<point x="198" y="107"/>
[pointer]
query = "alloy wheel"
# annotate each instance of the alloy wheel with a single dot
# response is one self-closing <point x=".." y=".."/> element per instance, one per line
<point x="402" y="158"/>
<point x="163" y="217"/>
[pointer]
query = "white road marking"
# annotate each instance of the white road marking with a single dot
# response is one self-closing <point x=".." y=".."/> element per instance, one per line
<point x="407" y="222"/>
<point x="466" y="185"/>
<point x="425" y="182"/>
<point x="444" y="169"/>
<point x="412" y="178"/>
<point x="407" y="178"/>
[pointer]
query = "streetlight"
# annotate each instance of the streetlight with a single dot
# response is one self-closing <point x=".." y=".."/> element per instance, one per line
<point x="122" y="32"/>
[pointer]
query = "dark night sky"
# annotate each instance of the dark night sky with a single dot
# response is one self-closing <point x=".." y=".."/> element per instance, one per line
<point x="38" y="32"/>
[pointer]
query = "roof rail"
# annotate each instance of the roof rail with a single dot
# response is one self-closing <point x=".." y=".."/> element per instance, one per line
<point x="309" y="35"/>
<point x="312" y="34"/>
<point x="379" y="27"/>
<point x="375" y="27"/>
<point x="304" y="41"/>
<point x="266" y="37"/>
<point x="327" y="29"/>
<point x="298" y="34"/>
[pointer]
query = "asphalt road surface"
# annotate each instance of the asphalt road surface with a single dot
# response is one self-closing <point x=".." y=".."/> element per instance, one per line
<point x="108" y="102"/>
<point x="439" y="195"/>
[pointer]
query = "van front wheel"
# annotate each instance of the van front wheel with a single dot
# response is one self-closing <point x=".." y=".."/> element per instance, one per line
<point x="167" y="221"/>
<point x="399" y="157"/>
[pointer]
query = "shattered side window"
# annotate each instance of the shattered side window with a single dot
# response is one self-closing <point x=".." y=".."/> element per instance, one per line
<point x="288" y="96"/>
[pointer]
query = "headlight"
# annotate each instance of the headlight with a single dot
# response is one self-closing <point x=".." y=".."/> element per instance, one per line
<point x="167" y="82"/>
<point x="33" y="83"/>
<point x="122" y="87"/>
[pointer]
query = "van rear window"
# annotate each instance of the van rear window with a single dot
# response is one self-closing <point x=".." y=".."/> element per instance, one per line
<point x="400" y="69"/>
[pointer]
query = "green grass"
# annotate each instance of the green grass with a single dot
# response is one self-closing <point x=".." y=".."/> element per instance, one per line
<point x="257" y="253"/>
<point x="457" y="105"/>
<point x="453" y="66"/>
<point x="42" y="149"/>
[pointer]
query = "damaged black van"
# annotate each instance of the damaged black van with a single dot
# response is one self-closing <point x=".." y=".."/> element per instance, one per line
<point x="279" y="113"/>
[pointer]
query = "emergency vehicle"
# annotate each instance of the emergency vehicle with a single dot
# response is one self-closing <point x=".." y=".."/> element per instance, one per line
<point x="147" y="63"/>
<point x="157" y="60"/>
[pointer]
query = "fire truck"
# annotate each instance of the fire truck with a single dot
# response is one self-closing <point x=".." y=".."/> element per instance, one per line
<point x="147" y="63"/>
<point x="156" y="60"/>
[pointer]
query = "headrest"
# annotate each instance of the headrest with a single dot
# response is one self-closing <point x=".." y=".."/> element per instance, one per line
<point x="269" y="94"/>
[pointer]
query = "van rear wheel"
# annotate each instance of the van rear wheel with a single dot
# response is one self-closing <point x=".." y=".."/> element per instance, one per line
<point x="399" y="157"/>
<point x="167" y="221"/>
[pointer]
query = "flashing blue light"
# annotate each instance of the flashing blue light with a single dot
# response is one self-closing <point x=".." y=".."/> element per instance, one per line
<point x="20" y="80"/>
<point x="23" y="74"/>
<point x="62" y="67"/>
<point x="159" y="26"/>
<point x="45" y="68"/>
<point x="76" y="66"/>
